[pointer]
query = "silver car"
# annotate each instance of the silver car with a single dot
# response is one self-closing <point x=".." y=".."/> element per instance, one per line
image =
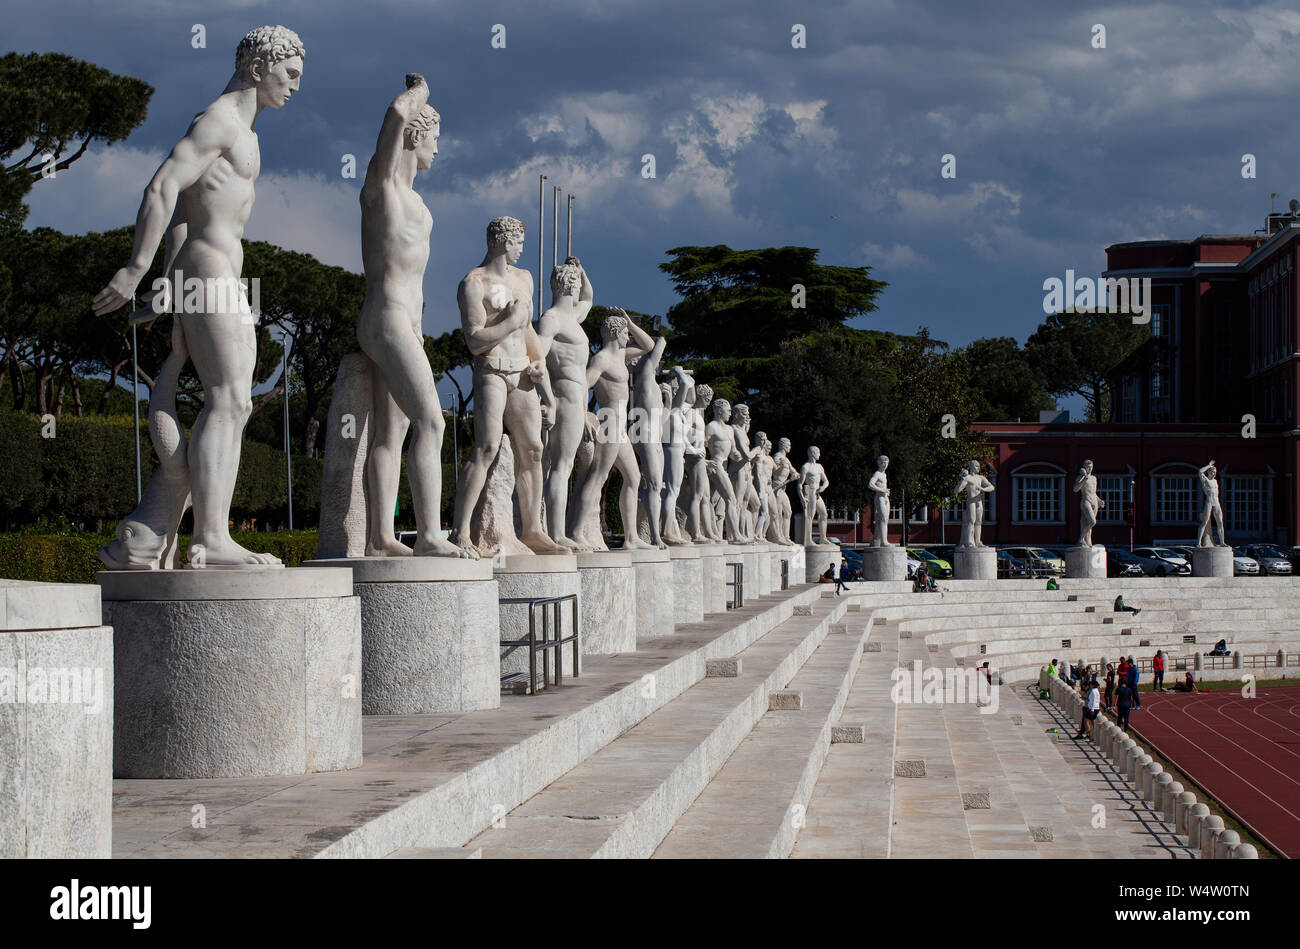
<point x="1243" y="565"/>
<point x="1161" y="562"/>
<point x="1271" y="560"/>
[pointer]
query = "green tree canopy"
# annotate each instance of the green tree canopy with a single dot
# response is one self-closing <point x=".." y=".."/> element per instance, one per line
<point x="50" y="103"/>
<point x="1005" y="384"/>
<point x="1076" y="352"/>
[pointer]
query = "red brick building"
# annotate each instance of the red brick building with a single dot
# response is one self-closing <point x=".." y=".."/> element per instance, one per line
<point x="1224" y="329"/>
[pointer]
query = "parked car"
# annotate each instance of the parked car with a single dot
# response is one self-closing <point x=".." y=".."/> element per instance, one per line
<point x="1168" y="561"/>
<point x="1042" y="562"/>
<point x="1161" y="562"/>
<point x="1120" y="563"/>
<point x="1244" y="565"/>
<point x="1271" y="560"/>
<point x="940" y="569"/>
<point x="1012" y="568"/>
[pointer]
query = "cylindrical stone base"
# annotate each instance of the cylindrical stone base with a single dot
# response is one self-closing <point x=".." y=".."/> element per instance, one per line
<point x="654" y="588"/>
<point x="1212" y="562"/>
<point x="1086" y="562"/>
<point x="713" y="573"/>
<point x="429" y="636"/>
<point x="688" y="585"/>
<point x="607" y="581"/>
<point x="234" y="672"/>
<point x="817" y="558"/>
<point x="975" y="563"/>
<point x="884" y="563"/>
<point x="532" y="576"/>
<point x="56" y="722"/>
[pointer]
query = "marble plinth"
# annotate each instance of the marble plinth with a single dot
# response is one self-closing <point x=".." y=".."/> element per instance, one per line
<point x="607" y="581"/>
<point x="234" y="672"/>
<point x="429" y="634"/>
<point x="975" y="563"/>
<point x="655" y="609"/>
<point x="1086" y="562"/>
<point x="817" y="558"/>
<point x="532" y="576"/>
<point x="56" y="722"/>
<point x="884" y="563"/>
<point x="1212" y="562"/>
<point x="713" y="573"/>
<point x="688" y="584"/>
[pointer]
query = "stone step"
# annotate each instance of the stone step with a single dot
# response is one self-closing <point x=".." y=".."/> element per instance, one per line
<point x="851" y="806"/>
<point x="436" y="853"/>
<point x="755" y="804"/>
<point x="623" y="800"/>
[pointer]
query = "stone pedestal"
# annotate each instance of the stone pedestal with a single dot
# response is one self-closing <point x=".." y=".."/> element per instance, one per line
<point x="1086" y="562"/>
<point x="713" y="573"/>
<point x="797" y="557"/>
<point x="232" y="672"/>
<point x="531" y="576"/>
<point x="762" y="569"/>
<point x="1212" y="562"/>
<point x="607" y="581"/>
<point x="884" y="563"/>
<point x="818" y="557"/>
<point x="654" y="593"/>
<point x="975" y="563"/>
<point x="688" y="584"/>
<point x="56" y="722"/>
<point x="429" y="636"/>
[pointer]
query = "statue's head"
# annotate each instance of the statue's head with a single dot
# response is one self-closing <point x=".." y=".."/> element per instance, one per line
<point x="1087" y="466"/>
<point x="721" y="410"/>
<point x="882" y="462"/>
<point x="614" y="330"/>
<point x="761" y="439"/>
<point x="973" y="467"/>
<point x="421" y="135"/>
<point x="270" y="57"/>
<point x="506" y="234"/>
<point x="783" y="445"/>
<point x="703" y="396"/>
<point x="741" y="412"/>
<point x="566" y="280"/>
<point x="814" y="453"/>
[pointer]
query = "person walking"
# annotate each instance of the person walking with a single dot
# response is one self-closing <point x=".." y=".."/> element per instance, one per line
<point x="1132" y="677"/>
<point x="1091" y="709"/>
<point x="1158" y="671"/>
<point x="1123" y="703"/>
<point x="1109" y="697"/>
<point x="840" y="577"/>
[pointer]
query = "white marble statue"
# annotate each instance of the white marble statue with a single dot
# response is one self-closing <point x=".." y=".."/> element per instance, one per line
<point x="646" y="431"/>
<point x="607" y="376"/>
<point x="812" y="483"/>
<point x="971" y="490"/>
<point x="766" y="527"/>
<point x="565" y="343"/>
<point x="741" y="470"/>
<point x="878" y="485"/>
<point x="511" y="387"/>
<point x="784" y="474"/>
<point x="720" y="451"/>
<point x="675" y="437"/>
<point x="695" y="499"/>
<point x="395" y="226"/>
<point x="1089" y="503"/>
<point x="1210" y="509"/>
<point x="200" y="199"/>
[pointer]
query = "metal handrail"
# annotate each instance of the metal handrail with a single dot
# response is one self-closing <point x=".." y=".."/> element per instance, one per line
<point x="546" y="643"/>
<point x="737" y="584"/>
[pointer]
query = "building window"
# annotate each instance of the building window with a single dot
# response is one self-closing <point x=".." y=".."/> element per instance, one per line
<point x="1246" y="506"/>
<point x="956" y="511"/>
<point x="920" y="515"/>
<point x="1129" y="400"/>
<point x="1038" y="499"/>
<point x="1175" y="499"/>
<point x="1117" y="492"/>
<point x="1160" y="321"/>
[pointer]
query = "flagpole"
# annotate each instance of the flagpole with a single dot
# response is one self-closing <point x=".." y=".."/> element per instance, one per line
<point x="541" y="234"/>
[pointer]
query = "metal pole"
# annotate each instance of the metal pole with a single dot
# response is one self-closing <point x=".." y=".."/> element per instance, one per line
<point x="568" y="235"/>
<point x="455" y="440"/>
<point x="288" y="462"/>
<point x="555" y="226"/>
<point x="135" y="388"/>
<point x="541" y="234"/>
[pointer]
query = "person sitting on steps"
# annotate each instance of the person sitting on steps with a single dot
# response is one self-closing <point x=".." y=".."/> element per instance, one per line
<point x="1121" y="607"/>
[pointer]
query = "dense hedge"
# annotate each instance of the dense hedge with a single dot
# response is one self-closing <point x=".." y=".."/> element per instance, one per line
<point x="71" y="557"/>
<point x="85" y="473"/>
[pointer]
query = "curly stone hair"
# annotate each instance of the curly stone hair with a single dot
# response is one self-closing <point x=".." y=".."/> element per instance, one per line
<point x="501" y="230"/>
<point x="424" y="122"/>
<point x="566" y="278"/>
<point x="613" y="325"/>
<point x="703" y="395"/>
<point x="719" y="405"/>
<point x="741" y="411"/>
<point x="269" y="44"/>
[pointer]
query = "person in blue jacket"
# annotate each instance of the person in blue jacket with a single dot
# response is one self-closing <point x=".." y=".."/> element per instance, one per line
<point x="1133" y="682"/>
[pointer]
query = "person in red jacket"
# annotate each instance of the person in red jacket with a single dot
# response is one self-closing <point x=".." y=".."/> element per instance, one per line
<point x="1158" y="671"/>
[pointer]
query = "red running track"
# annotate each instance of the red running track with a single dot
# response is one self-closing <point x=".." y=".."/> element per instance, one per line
<point x="1244" y="752"/>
